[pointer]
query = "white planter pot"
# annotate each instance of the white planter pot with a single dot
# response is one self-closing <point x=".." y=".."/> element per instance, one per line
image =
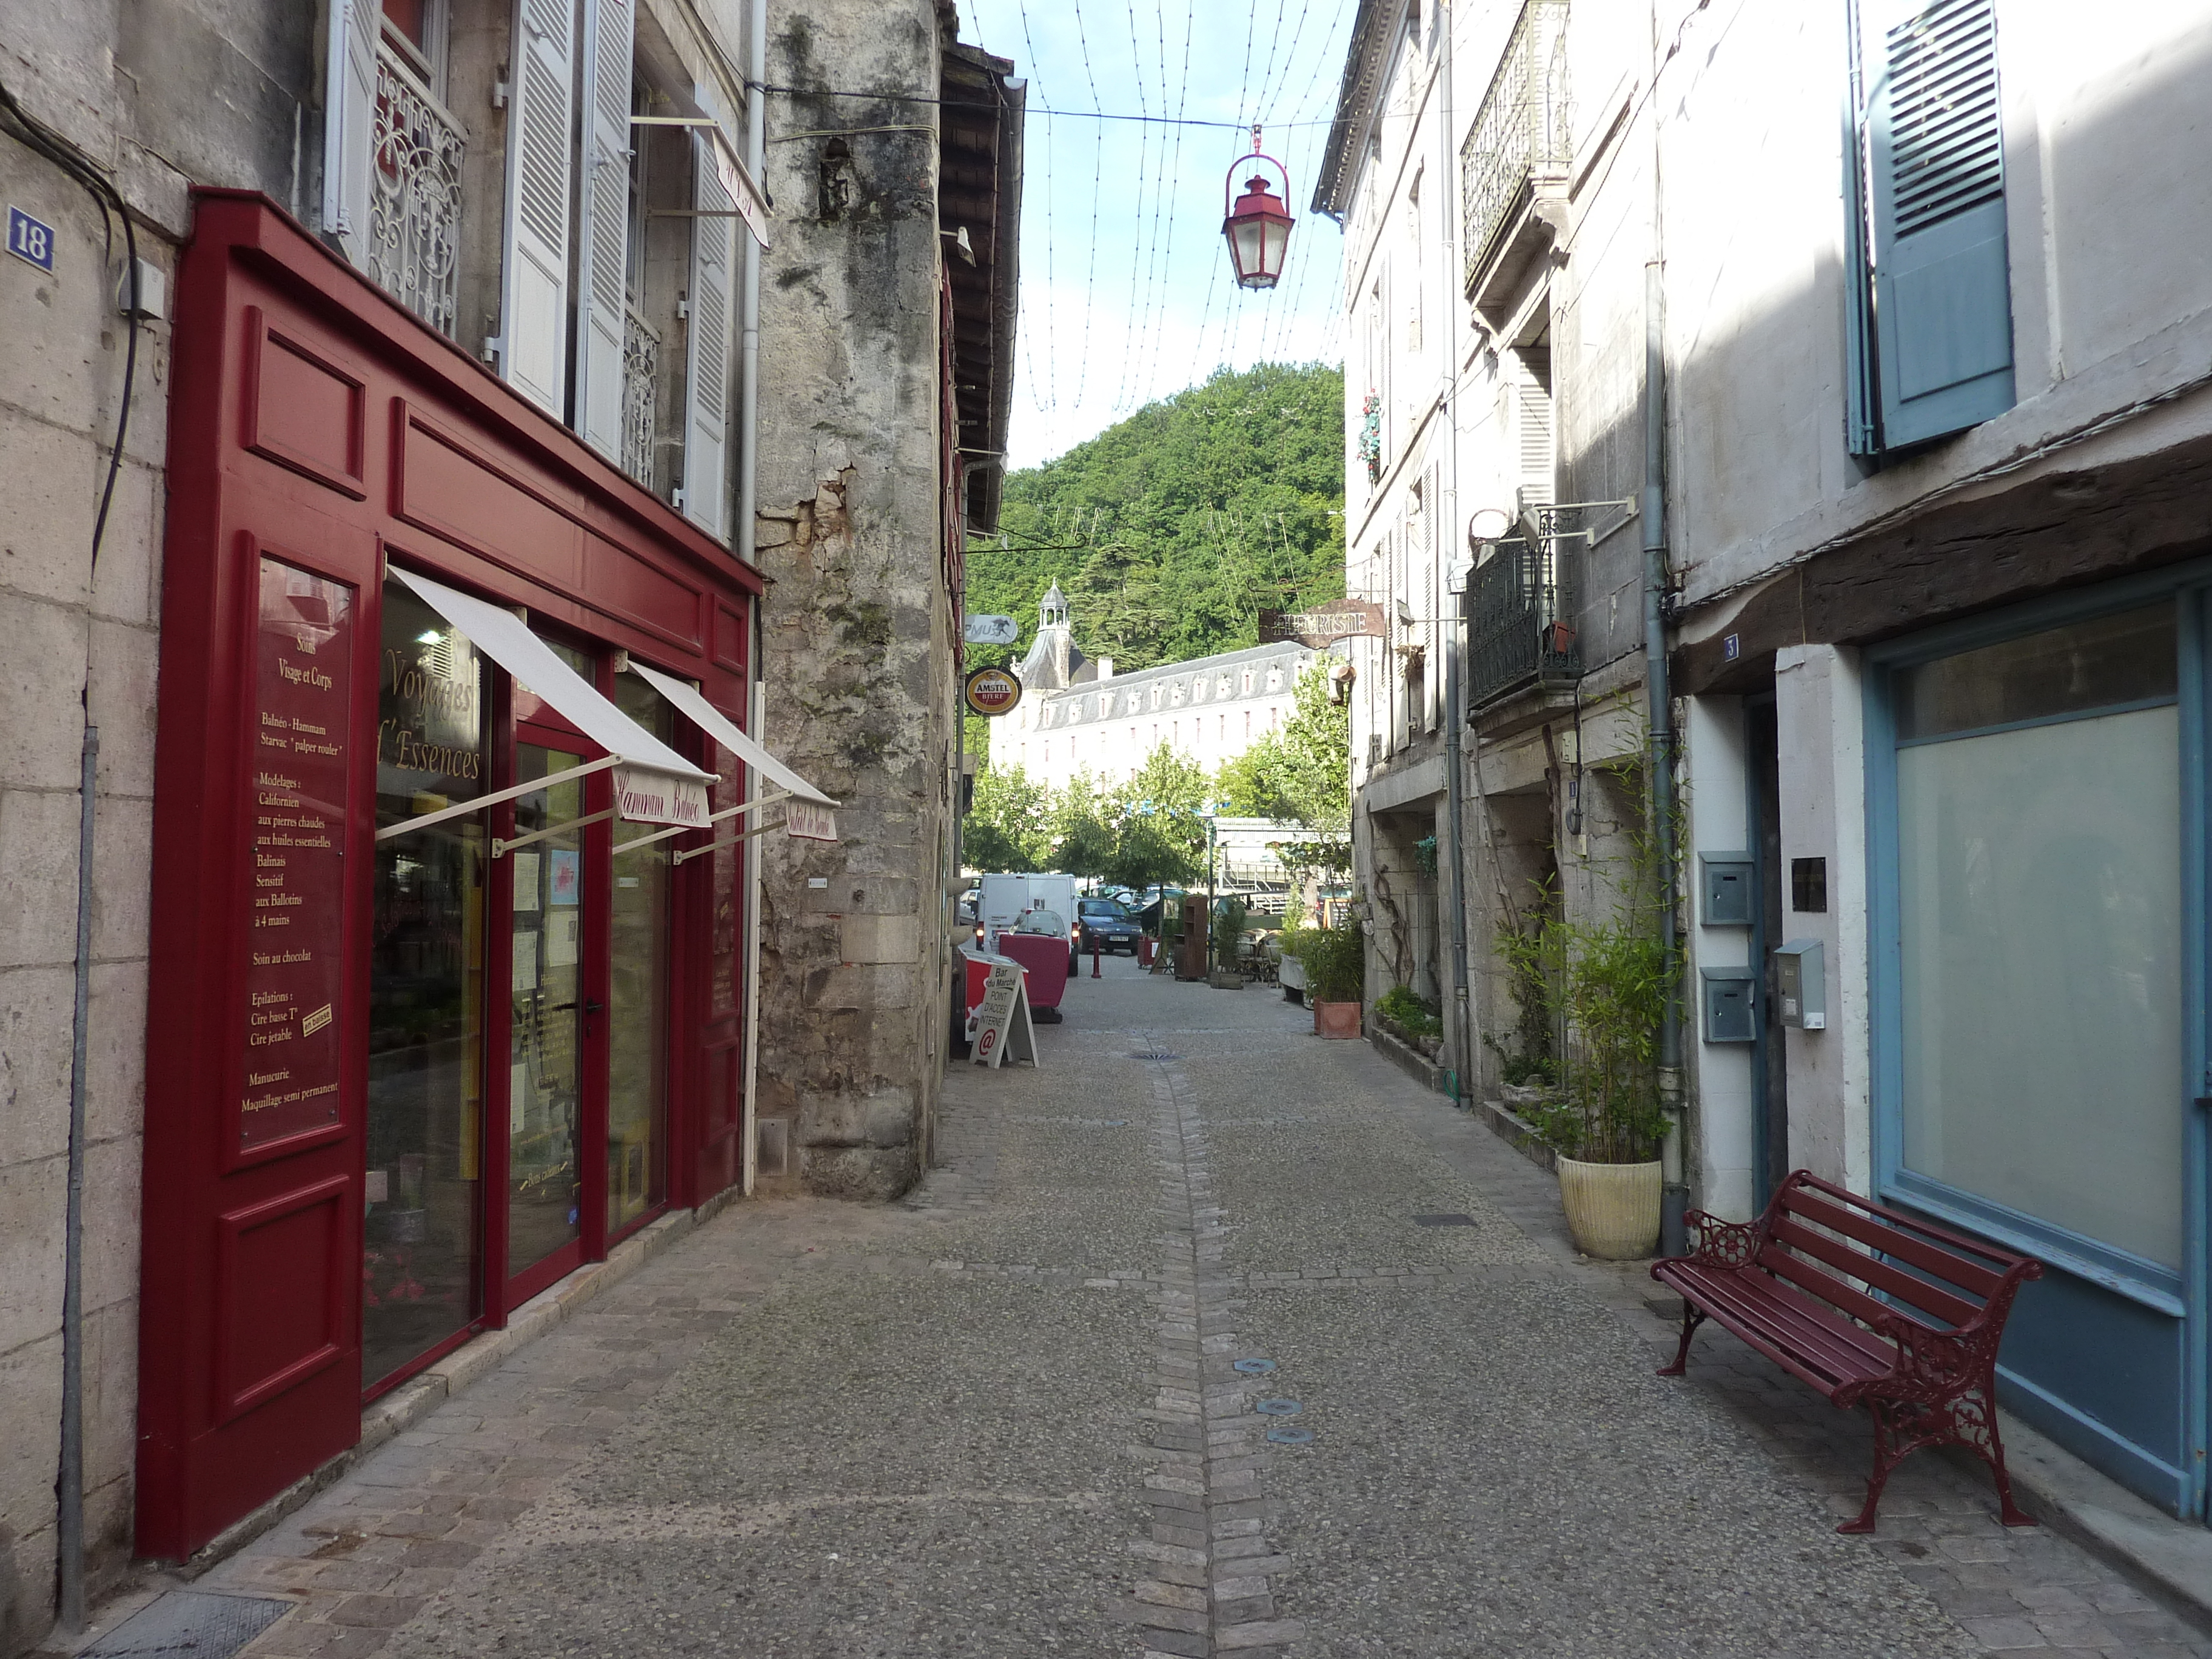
<point x="1613" y="1209"/>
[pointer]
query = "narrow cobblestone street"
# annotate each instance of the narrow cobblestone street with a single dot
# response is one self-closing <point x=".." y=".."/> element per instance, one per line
<point x="1163" y="1359"/>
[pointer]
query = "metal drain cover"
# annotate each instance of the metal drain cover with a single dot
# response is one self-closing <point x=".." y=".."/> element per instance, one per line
<point x="1291" y="1437"/>
<point x="1278" y="1407"/>
<point x="1444" y="1221"/>
<point x="1154" y="1053"/>
<point x="1254" y="1367"/>
<point x="189" y="1624"/>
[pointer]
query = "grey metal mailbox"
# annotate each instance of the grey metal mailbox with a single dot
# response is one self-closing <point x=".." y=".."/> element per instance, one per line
<point x="1727" y="892"/>
<point x="1800" y="982"/>
<point x="1731" y="1003"/>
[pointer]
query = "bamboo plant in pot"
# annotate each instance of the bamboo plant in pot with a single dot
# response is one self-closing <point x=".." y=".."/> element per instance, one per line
<point x="1604" y="987"/>
<point x="1335" y="962"/>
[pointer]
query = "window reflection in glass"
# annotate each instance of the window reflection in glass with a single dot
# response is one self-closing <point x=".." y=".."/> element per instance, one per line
<point x="420" y="1265"/>
<point x="637" y="1091"/>
<point x="546" y="1029"/>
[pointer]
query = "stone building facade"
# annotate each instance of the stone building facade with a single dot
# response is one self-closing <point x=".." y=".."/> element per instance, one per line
<point x="585" y="350"/>
<point x="1906" y="473"/>
<point x="890" y="297"/>
<point x="1078" y="715"/>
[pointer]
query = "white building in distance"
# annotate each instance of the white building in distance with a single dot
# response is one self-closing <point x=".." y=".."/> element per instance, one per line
<point x="1078" y="715"/>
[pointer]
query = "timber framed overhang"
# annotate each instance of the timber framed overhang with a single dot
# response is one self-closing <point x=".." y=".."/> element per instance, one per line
<point x="979" y="192"/>
<point x="1366" y="65"/>
<point x="2057" y="530"/>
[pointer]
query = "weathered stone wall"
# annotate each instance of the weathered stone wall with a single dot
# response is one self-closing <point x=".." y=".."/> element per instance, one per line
<point x="857" y="626"/>
<point x="157" y="93"/>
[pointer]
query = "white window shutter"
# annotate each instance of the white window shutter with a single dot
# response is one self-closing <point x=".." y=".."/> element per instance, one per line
<point x="1534" y="415"/>
<point x="534" y="301"/>
<point x="603" y="218"/>
<point x="349" y="125"/>
<point x="707" y="371"/>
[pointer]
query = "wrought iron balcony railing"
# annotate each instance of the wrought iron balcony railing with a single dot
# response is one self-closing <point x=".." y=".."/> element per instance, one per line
<point x="1521" y="136"/>
<point x="641" y="394"/>
<point x="1520" y="622"/>
<point x="415" y="211"/>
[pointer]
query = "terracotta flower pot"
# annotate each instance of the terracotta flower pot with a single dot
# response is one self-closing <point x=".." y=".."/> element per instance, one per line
<point x="1613" y="1209"/>
<point x="1336" y="1019"/>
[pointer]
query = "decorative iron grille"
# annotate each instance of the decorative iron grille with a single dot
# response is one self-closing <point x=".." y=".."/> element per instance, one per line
<point x="414" y="213"/>
<point x="1520" y="134"/>
<point x="641" y="394"/>
<point x="1520" y="628"/>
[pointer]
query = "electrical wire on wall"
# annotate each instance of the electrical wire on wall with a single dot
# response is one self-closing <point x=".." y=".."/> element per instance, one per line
<point x="82" y="170"/>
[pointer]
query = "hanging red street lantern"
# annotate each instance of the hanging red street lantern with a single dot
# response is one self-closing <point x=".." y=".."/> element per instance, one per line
<point x="1258" y="227"/>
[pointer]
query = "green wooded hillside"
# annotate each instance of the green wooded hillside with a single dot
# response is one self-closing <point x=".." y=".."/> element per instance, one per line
<point x="1171" y="531"/>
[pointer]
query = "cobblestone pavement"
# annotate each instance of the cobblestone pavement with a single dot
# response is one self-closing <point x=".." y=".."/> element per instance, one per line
<point x="1161" y="1361"/>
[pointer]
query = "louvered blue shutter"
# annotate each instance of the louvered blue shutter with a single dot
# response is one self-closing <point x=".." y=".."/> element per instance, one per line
<point x="540" y="148"/>
<point x="1934" y="154"/>
<point x="603" y="224"/>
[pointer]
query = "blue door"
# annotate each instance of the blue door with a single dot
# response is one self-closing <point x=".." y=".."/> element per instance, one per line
<point x="2036" y="815"/>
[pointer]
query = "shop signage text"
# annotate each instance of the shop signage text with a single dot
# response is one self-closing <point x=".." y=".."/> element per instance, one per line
<point x="296" y="810"/>
<point x="1342" y="619"/>
<point x="656" y="797"/>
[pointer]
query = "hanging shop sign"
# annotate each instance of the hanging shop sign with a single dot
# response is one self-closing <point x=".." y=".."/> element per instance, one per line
<point x="993" y="691"/>
<point x="810" y="822"/>
<point x="1341" y="619"/>
<point x="993" y="630"/>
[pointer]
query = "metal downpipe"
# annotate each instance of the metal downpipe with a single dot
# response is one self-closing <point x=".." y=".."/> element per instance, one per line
<point x="1455" y="713"/>
<point x="1674" y="1197"/>
<point x="69" y="1506"/>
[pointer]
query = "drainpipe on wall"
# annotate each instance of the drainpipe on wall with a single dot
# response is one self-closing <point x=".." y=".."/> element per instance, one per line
<point x="748" y="514"/>
<point x="1674" y="1198"/>
<point x="1455" y="715"/>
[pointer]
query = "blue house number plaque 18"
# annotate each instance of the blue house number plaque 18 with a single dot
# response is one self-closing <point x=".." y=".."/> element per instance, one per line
<point x="31" y="239"/>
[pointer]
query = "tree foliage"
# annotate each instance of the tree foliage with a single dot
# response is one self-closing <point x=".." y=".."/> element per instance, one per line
<point x="1170" y="532"/>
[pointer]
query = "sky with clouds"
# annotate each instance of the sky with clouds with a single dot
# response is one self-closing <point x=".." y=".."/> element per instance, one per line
<point x="1127" y="293"/>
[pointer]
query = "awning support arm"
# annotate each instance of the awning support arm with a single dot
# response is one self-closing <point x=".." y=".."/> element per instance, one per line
<point x="464" y="808"/>
<point x="717" y="845"/>
<point x="500" y="849"/>
<point x="678" y="828"/>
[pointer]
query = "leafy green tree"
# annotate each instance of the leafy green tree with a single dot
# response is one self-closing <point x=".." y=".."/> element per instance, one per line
<point x="1170" y="532"/>
<point x="1007" y="828"/>
<point x="1159" y="816"/>
<point x="1081" y="824"/>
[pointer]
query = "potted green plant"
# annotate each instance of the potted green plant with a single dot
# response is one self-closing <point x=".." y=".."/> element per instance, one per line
<point x="1594" y="993"/>
<point x="1335" y="962"/>
<point x="1229" y="921"/>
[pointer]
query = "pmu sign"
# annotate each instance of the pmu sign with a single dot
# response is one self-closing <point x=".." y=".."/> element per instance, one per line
<point x="993" y="691"/>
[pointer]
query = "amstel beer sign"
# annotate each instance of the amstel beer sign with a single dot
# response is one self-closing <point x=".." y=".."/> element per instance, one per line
<point x="993" y="691"/>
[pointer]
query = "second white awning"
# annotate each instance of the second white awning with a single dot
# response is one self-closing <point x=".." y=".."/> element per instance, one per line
<point x="653" y="784"/>
<point x="719" y="726"/>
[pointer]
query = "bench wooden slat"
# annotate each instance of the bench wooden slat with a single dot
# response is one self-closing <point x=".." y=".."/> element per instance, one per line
<point x="1948" y="1265"/>
<point x="1823" y="1285"/>
<point x="1828" y="1349"/>
<point x="1953" y="1311"/>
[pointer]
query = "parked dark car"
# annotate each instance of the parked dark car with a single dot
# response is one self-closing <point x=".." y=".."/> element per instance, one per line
<point x="1109" y="922"/>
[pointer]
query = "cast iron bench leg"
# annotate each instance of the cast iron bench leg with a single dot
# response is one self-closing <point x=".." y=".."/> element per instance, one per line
<point x="1691" y="1318"/>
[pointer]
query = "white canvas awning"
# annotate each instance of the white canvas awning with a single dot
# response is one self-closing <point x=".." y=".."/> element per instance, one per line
<point x="653" y="784"/>
<point x="810" y="813"/>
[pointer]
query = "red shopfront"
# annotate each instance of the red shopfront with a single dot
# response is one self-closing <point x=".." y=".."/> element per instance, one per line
<point x="400" y="1082"/>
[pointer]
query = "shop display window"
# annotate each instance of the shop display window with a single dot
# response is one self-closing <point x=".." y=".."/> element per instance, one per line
<point x="420" y="1270"/>
<point x="638" y="1000"/>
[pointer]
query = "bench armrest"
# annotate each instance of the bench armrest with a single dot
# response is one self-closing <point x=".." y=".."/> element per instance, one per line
<point x="1724" y="1243"/>
<point x="1932" y="1365"/>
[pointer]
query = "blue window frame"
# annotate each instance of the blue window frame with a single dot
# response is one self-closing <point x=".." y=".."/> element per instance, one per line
<point x="2111" y="1353"/>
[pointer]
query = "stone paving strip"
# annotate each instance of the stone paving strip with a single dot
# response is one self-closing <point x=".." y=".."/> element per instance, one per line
<point x="1003" y="1418"/>
<point x="1207" y="1560"/>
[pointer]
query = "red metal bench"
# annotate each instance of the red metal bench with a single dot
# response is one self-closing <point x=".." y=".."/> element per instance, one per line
<point x="1790" y="1285"/>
